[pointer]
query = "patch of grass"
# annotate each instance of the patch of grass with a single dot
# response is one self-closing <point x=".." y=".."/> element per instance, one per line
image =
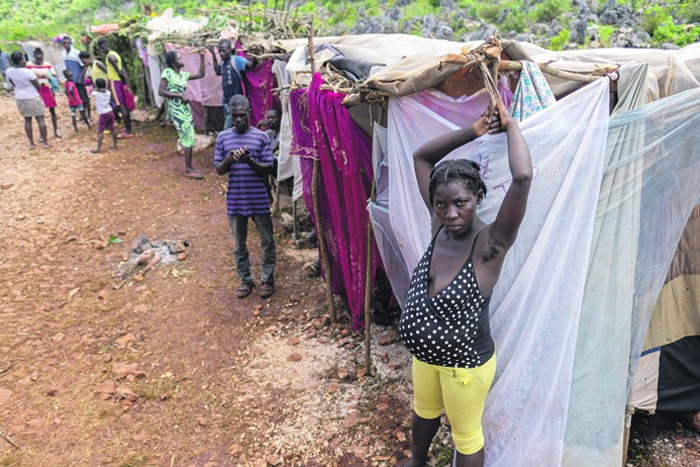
<point x="442" y="455"/>
<point x="135" y="460"/>
<point x="11" y="458"/>
<point x="606" y="33"/>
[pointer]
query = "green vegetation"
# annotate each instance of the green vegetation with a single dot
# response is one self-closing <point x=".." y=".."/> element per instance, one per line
<point x="674" y="21"/>
<point x="558" y="42"/>
<point x="551" y="9"/>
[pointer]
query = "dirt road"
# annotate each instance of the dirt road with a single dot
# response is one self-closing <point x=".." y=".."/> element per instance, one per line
<point x="171" y="369"/>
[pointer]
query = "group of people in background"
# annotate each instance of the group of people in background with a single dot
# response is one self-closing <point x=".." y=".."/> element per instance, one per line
<point x="35" y="84"/>
<point x="243" y="151"/>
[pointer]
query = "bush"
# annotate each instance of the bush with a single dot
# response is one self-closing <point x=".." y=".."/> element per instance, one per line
<point x="690" y="12"/>
<point x="677" y="34"/>
<point x="606" y="33"/>
<point x="551" y="9"/>
<point x="515" y="21"/>
<point x="558" y="42"/>
<point x="489" y="12"/>
<point x="652" y="18"/>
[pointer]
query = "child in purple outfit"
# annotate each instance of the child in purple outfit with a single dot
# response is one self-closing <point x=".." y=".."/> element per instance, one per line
<point x="104" y="109"/>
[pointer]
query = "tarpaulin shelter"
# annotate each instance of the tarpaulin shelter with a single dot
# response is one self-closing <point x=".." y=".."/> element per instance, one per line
<point x="611" y="197"/>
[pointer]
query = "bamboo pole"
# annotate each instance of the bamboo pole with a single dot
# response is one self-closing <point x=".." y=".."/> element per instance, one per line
<point x="317" y="208"/>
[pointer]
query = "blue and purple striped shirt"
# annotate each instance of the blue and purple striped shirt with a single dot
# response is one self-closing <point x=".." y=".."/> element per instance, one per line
<point x="247" y="194"/>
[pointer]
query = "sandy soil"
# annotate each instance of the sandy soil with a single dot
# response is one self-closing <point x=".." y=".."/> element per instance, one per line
<point x="102" y="365"/>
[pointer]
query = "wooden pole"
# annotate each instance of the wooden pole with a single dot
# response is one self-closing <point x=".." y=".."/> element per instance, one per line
<point x="368" y="284"/>
<point x="317" y="208"/>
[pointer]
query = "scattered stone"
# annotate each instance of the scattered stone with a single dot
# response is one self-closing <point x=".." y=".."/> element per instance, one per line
<point x="181" y="256"/>
<point x="126" y="393"/>
<point x="34" y="376"/>
<point x="138" y="277"/>
<point x="141" y="437"/>
<point x="103" y="294"/>
<point x="383" y="407"/>
<point x="140" y="244"/>
<point x="5" y="395"/>
<point x="323" y="340"/>
<point x="176" y="246"/>
<point x="235" y="449"/>
<point x="6" y="186"/>
<point x="122" y="341"/>
<point x="273" y="460"/>
<point x="352" y="418"/>
<point x="202" y="422"/>
<point x="287" y="222"/>
<point x="332" y="388"/>
<point x="390" y="337"/>
<point x="395" y="367"/>
<point x="318" y="323"/>
<point x="293" y="341"/>
<point x="145" y="257"/>
<point x="342" y="373"/>
<point x="311" y="333"/>
<point x="294" y="357"/>
<point x="123" y="369"/>
<point x="52" y="391"/>
<point x="58" y="337"/>
<point x="359" y="451"/>
<point x="106" y="387"/>
<point x="669" y="46"/>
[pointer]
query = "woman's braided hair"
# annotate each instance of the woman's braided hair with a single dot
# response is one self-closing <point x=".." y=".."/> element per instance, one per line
<point x="461" y="171"/>
<point x="170" y="58"/>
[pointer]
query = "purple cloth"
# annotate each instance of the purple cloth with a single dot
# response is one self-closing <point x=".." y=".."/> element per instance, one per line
<point x="345" y="154"/>
<point x="247" y="194"/>
<point x="261" y="82"/>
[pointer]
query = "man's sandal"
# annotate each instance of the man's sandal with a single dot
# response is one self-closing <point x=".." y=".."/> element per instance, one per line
<point x="244" y="290"/>
<point x="313" y="269"/>
<point x="266" y="290"/>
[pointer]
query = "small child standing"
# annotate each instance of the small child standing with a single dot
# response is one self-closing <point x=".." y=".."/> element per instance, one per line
<point x="104" y="109"/>
<point x="74" y="100"/>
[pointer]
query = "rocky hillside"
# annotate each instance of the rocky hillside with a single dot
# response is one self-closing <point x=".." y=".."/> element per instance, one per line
<point x="555" y="24"/>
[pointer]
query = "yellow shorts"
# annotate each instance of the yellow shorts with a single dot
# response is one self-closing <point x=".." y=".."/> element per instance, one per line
<point x="461" y="392"/>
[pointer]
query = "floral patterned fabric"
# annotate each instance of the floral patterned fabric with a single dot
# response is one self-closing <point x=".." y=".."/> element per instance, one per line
<point x="532" y="94"/>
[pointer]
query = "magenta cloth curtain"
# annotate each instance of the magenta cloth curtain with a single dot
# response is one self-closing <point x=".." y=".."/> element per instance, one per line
<point x="262" y="83"/>
<point x="323" y="130"/>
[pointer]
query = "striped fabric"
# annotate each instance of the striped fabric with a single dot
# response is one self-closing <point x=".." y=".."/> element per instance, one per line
<point x="247" y="194"/>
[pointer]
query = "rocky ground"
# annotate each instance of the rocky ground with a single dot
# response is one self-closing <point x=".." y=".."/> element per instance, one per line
<point x="106" y="360"/>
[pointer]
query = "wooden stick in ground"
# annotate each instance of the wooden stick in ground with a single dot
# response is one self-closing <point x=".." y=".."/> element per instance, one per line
<point x="4" y="436"/>
<point x="368" y="284"/>
<point x="317" y="207"/>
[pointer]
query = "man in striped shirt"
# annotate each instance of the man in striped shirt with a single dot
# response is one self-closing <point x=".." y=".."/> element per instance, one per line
<point x="244" y="153"/>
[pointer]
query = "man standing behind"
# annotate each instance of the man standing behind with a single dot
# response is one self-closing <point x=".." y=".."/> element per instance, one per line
<point x="71" y="58"/>
<point x="117" y="82"/>
<point x="244" y="153"/>
<point x="232" y="71"/>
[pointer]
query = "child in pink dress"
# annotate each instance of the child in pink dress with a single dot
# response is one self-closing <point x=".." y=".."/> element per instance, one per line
<point x="74" y="100"/>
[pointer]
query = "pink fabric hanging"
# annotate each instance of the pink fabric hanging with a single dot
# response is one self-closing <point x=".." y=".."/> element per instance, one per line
<point x="262" y="83"/>
<point x="345" y="154"/>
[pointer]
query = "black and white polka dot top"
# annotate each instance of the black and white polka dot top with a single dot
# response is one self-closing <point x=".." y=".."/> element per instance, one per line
<point x="451" y="328"/>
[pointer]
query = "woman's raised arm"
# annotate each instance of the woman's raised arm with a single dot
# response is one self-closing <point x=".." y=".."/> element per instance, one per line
<point x="433" y="151"/>
<point x="504" y="229"/>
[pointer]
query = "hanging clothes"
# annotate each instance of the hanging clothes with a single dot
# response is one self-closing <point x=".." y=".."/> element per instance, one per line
<point x="532" y="94"/>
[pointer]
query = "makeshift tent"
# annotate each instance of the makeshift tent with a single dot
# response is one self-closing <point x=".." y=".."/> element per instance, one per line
<point x="646" y="170"/>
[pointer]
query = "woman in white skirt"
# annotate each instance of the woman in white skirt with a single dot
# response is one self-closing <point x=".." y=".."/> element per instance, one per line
<point x="29" y="102"/>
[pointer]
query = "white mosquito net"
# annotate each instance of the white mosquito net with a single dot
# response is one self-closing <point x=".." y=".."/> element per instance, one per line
<point x="542" y="410"/>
